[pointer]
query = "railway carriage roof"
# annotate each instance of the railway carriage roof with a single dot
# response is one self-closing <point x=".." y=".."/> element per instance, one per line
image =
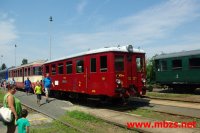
<point x="178" y="54"/>
<point x="100" y="50"/>
<point x="34" y="63"/>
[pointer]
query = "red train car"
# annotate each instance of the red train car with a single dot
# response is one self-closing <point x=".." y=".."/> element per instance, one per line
<point x="33" y="70"/>
<point x="105" y="72"/>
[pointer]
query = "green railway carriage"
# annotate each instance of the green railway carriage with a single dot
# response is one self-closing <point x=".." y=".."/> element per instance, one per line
<point x="179" y="70"/>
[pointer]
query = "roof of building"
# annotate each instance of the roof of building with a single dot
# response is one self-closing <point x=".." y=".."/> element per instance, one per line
<point x="178" y="54"/>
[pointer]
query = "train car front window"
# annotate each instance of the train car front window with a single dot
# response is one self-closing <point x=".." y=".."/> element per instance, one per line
<point x="93" y="64"/>
<point x="119" y="63"/>
<point x="53" y="69"/>
<point x="103" y="63"/>
<point x="60" y="68"/>
<point x="47" y="69"/>
<point x="69" y="67"/>
<point x="79" y="66"/>
<point x="140" y="64"/>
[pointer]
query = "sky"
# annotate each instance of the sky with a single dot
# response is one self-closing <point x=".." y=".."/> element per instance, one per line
<point x="156" y="26"/>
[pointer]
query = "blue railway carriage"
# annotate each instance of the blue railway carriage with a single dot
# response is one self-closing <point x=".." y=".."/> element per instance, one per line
<point x="4" y="74"/>
<point x="180" y="70"/>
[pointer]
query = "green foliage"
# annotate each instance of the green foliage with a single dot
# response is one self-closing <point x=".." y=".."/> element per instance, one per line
<point x="150" y="68"/>
<point x="24" y="61"/>
<point x="3" y="66"/>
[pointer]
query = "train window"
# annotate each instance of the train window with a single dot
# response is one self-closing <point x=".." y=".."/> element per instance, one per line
<point x="17" y="71"/>
<point x="53" y="69"/>
<point x="177" y="64"/>
<point x="60" y="68"/>
<point x="79" y="66"/>
<point x="21" y="72"/>
<point x="119" y="63"/>
<point x="93" y="65"/>
<point x="163" y="65"/>
<point x="194" y="63"/>
<point x="140" y="64"/>
<point x="29" y="71"/>
<point x="25" y="72"/>
<point x="69" y="67"/>
<point x="37" y="71"/>
<point x="47" y="69"/>
<point x="103" y="63"/>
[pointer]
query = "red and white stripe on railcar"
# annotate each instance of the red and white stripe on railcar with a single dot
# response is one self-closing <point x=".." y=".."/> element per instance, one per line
<point x="32" y="70"/>
<point x="111" y="72"/>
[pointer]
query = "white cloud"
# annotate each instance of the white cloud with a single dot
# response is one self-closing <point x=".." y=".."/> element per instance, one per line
<point x="7" y="31"/>
<point x="8" y="35"/>
<point x="160" y="20"/>
<point x="157" y="22"/>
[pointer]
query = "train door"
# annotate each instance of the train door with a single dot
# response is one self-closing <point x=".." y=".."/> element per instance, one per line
<point x="68" y="78"/>
<point x="131" y="71"/>
<point x="91" y="74"/>
<point x="60" y="81"/>
<point x="140" y="68"/>
<point x="135" y="71"/>
<point x="79" y="79"/>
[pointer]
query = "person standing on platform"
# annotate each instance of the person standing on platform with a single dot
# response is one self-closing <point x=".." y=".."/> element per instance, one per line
<point x="12" y="81"/>
<point x="23" y="123"/>
<point x="38" y="92"/>
<point x="47" y="85"/>
<point x="14" y="104"/>
<point x="27" y="86"/>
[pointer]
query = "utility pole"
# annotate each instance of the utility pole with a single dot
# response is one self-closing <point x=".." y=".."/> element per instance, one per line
<point x="50" y="20"/>
<point x="15" y="54"/>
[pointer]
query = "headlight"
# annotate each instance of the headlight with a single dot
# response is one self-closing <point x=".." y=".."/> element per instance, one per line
<point x="118" y="81"/>
<point x="143" y="80"/>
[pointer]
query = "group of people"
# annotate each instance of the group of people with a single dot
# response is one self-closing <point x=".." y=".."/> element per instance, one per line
<point x="14" y="104"/>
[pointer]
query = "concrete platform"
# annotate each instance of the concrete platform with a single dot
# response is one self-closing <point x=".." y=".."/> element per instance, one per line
<point x="34" y="119"/>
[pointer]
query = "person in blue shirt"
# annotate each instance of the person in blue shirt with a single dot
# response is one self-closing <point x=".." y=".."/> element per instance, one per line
<point x="12" y="81"/>
<point x="27" y="86"/>
<point x="23" y="123"/>
<point x="47" y="85"/>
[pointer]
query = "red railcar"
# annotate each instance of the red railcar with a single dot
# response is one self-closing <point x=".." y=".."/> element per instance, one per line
<point x="107" y="72"/>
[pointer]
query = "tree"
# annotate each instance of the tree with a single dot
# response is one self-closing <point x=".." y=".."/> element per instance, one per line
<point x="24" y="61"/>
<point x="3" y="66"/>
<point x="150" y="68"/>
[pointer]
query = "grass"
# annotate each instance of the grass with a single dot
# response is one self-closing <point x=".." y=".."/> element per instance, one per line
<point x="54" y="127"/>
<point x="164" y="117"/>
<point x="2" y="93"/>
<point x="82" y="121"/>
<point x="167" y="95"/>
<point x="90" y="123"/>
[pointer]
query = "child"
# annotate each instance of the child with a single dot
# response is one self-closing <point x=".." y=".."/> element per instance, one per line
<point x="38" y="92"/>
<point x="23" y="123"/>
